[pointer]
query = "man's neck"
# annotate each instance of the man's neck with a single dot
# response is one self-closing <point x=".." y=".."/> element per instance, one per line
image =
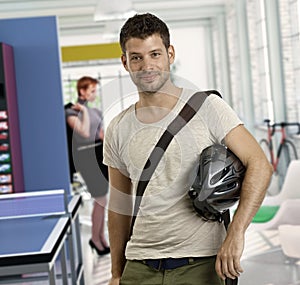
<point x="153" y="107"/>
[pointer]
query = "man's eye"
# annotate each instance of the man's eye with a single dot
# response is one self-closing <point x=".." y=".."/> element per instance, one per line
<point x="155" y="54"/>
<point x="135" y="58"/>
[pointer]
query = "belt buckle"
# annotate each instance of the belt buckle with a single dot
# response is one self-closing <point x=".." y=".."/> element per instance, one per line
<point x="173" y="263"/>
<point x="156" y="264"/>
<point x="160" y="265"/>
<point x="167" y="263"/>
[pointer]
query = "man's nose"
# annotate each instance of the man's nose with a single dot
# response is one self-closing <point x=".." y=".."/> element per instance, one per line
<point x="147" y="64"/>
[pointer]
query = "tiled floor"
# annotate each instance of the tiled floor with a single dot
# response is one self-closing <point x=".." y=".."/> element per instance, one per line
<point x="96" y="269"/>
<point x="264" y="262"/>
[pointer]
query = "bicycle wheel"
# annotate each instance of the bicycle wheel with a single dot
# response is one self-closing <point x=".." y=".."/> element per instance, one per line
<point x="286" y="152"/>
<point x="292" y="150"/>
<point x="273" y="187"/>
<point x="264" y="144"/>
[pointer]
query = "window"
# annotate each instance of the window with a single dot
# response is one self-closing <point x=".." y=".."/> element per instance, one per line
<point x="263" y="102"/>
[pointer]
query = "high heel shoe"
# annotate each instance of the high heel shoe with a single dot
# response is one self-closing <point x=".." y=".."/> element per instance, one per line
<point x="104" y="251"/>
<point x="106" y="248"/>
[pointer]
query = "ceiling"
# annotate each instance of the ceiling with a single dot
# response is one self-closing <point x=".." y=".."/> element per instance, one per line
<point x="100" y="20"/>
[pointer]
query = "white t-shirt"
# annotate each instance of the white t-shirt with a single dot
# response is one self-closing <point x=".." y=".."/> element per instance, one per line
<point x="167" y="225"/>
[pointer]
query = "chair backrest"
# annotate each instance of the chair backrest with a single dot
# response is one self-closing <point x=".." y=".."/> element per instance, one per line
<point x="289" y="236"/>
<point x="288" y="213"/>
<point x="291" y="186"/>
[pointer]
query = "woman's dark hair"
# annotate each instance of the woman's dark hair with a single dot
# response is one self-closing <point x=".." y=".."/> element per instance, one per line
<point x="143" y="26"/>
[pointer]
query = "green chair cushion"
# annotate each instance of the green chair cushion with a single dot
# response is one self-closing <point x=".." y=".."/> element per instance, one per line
<point x="265" y="214"/>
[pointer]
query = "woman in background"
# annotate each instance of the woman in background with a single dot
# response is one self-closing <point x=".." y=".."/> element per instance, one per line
<point x="87" y="150"/>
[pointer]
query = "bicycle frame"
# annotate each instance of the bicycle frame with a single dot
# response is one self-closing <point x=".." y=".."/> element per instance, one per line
<point x="272" y="128"/>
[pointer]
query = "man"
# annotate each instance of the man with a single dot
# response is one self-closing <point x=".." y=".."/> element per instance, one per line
<point x="167" y="227"/>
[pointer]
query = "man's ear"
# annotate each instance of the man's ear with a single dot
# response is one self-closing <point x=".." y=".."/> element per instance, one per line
<point x="171" y="53"/>
<point x="124" y="61"/>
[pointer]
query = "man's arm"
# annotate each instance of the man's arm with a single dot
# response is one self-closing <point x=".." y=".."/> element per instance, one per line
<point x="255" y="184"/>
<point x="119" y="220"/>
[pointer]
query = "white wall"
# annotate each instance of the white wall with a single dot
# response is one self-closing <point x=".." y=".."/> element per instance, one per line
<point x="190" y="58"/>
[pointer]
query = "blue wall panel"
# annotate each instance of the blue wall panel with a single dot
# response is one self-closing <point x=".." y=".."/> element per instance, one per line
<point x="40" y="101"/>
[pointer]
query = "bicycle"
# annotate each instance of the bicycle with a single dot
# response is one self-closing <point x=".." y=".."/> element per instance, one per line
<point x="286" y="150"/>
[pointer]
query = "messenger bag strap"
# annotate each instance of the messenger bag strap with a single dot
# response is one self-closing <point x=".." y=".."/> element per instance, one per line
<point x="186" y="114"/>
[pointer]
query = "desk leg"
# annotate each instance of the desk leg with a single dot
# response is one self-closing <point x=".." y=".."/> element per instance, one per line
<point x="72" y="256"/>
<point x="63" y="261"/>
<point x="79" y="251"/>
<point x="52" y="276"/>
<point x="76" y="271"/>
<point x="78" y="239"/>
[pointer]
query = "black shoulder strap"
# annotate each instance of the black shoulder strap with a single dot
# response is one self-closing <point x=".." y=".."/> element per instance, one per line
<point x="186" y="114"/>
<point x="68" y="105"/>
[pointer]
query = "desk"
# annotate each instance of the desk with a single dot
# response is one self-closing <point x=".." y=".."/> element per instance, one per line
<point x="20" y="256"/>
<point x="31" y="243"/>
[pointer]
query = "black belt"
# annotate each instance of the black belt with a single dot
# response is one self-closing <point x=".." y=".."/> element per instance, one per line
<point x="170" y="263"/>
<point x="173" y="263"/>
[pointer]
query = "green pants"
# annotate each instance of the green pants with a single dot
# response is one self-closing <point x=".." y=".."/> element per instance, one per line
<point x="200" y="272"/>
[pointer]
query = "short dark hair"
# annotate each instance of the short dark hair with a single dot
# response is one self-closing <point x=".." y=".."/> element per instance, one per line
<point x="142" y="26"/>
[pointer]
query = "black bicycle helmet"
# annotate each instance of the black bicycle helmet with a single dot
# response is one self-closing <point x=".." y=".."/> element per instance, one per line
<point x="218" y="182"/>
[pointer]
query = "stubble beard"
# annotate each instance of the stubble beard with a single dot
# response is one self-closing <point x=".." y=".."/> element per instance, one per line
<point x="152" y="86"/>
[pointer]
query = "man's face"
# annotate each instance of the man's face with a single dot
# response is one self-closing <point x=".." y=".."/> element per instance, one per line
<point x="148" y="62"/>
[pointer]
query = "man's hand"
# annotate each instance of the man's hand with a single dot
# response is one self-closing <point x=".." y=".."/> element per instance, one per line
<point x="229" y="255"/>
<point x="114" y="281"/>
